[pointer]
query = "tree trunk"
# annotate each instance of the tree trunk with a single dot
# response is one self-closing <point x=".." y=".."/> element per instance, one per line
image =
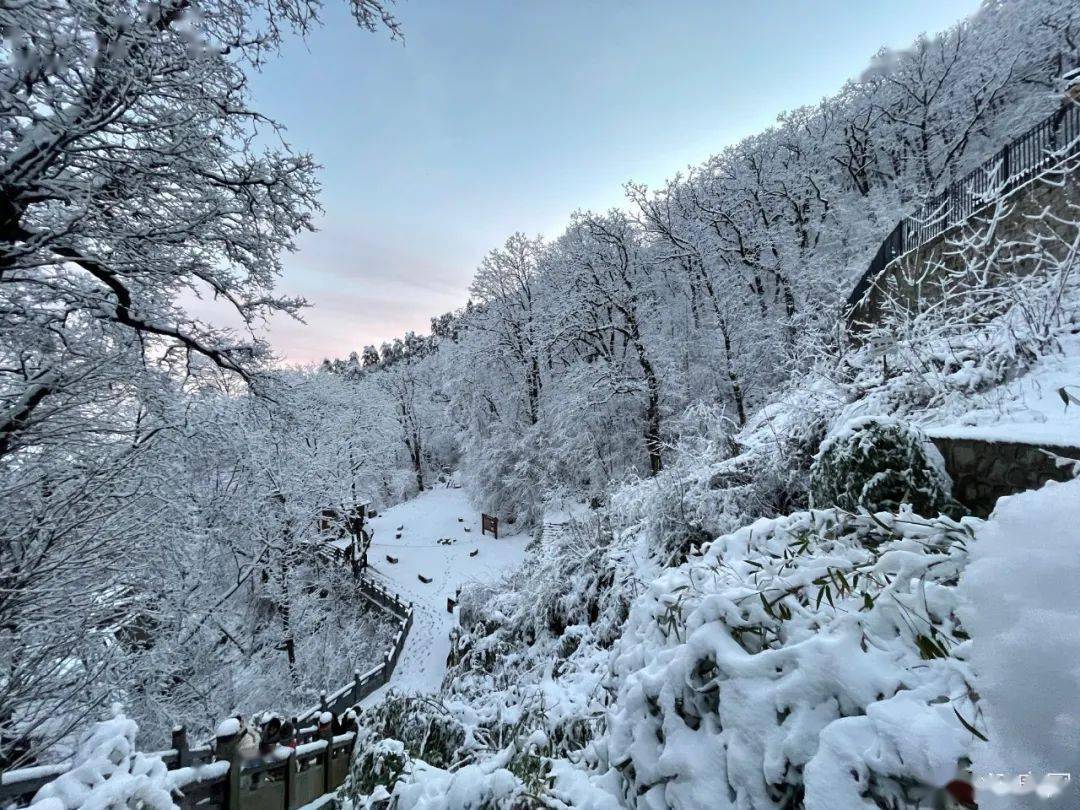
<point x="418" y="467"/>
<point x="533" y="391"/>
<point x="288" y="643"/>
<point x="653" y="444"/>
<point x="721" y="322"/>
<point x="733" y="378"/>
<point x="652" y="432"/>
<point x="285" y="611"/>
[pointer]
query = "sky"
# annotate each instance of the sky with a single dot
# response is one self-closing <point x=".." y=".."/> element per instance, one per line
<point x="496" y="116"/>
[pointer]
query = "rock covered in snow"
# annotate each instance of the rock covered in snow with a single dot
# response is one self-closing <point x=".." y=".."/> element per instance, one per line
<point x="229" y="727"/>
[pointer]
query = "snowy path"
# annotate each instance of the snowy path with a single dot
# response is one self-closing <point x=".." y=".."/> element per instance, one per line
<point x="423" y="521"/>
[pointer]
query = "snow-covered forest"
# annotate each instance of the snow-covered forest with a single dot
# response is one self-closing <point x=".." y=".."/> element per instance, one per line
<point x="667" y="396"/>
<point x="587" y="359"/>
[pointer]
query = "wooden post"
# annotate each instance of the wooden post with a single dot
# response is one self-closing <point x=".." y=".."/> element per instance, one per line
<point x="323" y="705"/>
<point x="180" y="744"/>
<point x="326" y="732"/>
<point x="290" y="780"/>
<point x="226" y="749"/>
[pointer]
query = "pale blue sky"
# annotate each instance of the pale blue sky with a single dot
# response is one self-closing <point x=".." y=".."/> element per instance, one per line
<point x="503" y="115"/>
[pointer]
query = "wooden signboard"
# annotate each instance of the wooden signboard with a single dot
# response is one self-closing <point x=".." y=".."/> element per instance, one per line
<point x="488" y="523"/>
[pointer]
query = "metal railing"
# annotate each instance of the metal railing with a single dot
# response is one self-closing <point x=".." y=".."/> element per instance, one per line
<point x="1050" y="141"/>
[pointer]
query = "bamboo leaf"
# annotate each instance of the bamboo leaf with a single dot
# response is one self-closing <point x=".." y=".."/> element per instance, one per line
<point x="929" y="649"/>
<point x="970" y="727"/>
<point x="767" y="606"/>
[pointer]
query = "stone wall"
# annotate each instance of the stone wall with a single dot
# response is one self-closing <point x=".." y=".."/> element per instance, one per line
<point x="927" y="274"/>
<point x="983" y="470"/>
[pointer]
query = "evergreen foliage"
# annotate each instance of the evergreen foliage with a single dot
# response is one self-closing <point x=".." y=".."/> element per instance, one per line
<point x="874" y="464"/>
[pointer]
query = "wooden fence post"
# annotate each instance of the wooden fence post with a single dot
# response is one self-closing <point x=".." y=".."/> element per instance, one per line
<point x="180" y="744"/>
<point x="227" y="749"/>
<point x="326" y="732"/>
<point x="356" y="687"/>
<point x="290" y="780"/>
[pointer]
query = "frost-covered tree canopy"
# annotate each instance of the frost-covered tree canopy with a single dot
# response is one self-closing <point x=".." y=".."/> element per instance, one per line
<point x="149" y="506"/>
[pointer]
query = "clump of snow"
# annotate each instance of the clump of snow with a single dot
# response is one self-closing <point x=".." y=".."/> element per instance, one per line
<point x="484" y="784"/>
<point x="386" y="772"/>
<point x="180" y="778"/>
<point x="1020" y="602"/>
<point x="229" y="727"/>
<point x="107" y="772"/>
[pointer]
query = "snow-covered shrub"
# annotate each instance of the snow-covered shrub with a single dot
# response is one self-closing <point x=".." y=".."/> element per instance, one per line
<point x="720" y="477"/>
<point x="107" y="772"/>
<point x="876" y="464"/>
<point x="483" y="785"/>
<point x="377" y="768"/>
<point x="447" y="754"/>
<point x="573" y="577"/>
<point x="425" y="727"/>
<point x="815" y="658"/>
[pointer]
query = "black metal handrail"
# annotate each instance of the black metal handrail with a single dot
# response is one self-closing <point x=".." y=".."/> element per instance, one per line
<point x="1051" y="140"/>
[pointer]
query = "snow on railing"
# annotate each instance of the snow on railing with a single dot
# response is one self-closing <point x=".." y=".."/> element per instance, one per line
<point x="1045" y="144"/>
<point x="203" y="775"/>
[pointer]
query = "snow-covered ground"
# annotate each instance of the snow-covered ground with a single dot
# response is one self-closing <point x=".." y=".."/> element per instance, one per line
<point x="1020" y="606"/>
<point x="1027" y="409"/>
<point x="422" y="522"/>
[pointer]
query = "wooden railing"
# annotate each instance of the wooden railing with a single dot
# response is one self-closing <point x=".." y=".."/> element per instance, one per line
<point x="214" y="777"/>
<point x="1050" y="141"/>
